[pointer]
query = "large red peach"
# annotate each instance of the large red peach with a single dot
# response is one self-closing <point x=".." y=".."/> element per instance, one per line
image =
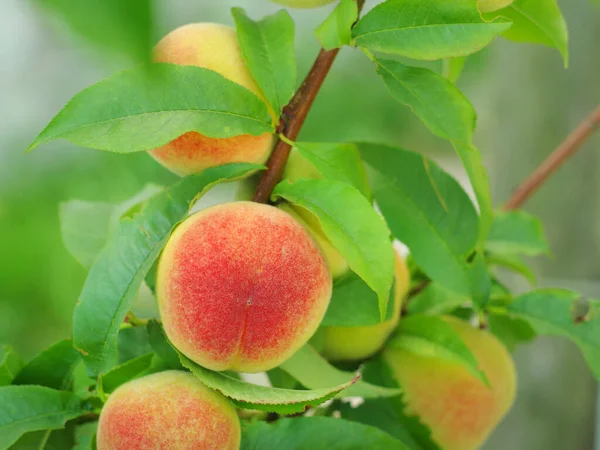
<point x="241" y="286"/>
<point x="458" y="407"/>
<point x="215" y="47"/>
<point x="357" y="343"/>
<point x="168" y="411"/>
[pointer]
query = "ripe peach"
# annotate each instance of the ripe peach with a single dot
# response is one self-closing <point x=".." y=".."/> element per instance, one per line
<point x="303" y="3"/>
<point x="215" y="47"/>
<point x="356" y="343"/>
<point x="493" y="5"/>
<point x="241" y="286"/>
<point x="458" y="407"/>
<point x="168" y="411"/>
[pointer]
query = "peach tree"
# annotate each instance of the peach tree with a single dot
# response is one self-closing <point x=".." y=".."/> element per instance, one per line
<point x="300" y="278"/>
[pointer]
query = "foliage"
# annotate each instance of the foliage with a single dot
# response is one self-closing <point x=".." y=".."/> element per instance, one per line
<point x="455" y="244"/>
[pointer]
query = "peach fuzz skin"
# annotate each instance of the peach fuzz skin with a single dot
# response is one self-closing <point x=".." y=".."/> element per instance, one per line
<point x="241" y="286"/>
<point x="168" y="411"/>
<point x="458" y="407"/>
<point x="214" y="47"/>
<point x="358" y="343"/>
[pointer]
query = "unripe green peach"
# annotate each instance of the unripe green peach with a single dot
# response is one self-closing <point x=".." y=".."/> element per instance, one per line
<point x="337" y="263"/>
<point x="168" y="410"/>
<point x="215" y="47"/>
<point x="241" y="286"/>
<point x="458" y="407"/>
<point x="357" y="343"/>
<point x="303" y="3"/>
<point x="493" y="5"/>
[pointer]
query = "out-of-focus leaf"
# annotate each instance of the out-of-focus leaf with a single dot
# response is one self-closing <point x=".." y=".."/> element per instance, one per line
<point x="86" y="226"/>
<point x="510" y="331"/>
<point x="115" y="25"/>
<point x="10" y="364"/>
<point x="436" y="299"/>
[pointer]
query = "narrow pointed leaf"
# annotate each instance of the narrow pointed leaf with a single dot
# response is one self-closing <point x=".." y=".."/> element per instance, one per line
<point x="140" y="110"/>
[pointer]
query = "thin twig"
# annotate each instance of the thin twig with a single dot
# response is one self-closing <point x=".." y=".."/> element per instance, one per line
<point x="567" y="149"/>
<point x="292" y="119"/>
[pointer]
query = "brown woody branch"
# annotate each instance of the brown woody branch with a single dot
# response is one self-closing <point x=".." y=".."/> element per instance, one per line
<point x="567" y="149"/>
<point x="292" y="119"/>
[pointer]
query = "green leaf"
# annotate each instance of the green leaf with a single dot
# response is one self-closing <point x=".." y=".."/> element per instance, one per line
<point x="134" y="368"/>
<point x="52" y="368"/>
<point x="353" y="304"/>
<point x="448" y="114"/>
<point x="10" y="364"/>
<point x="473" y="163"/>
<point x="253" y="396"/>
<point x="338" y="162"/>
<point x="537" y="22"/>
<point x="552" y="312"/>
<point x="317" y="433"/>
<point x="517" y="233"/>
<point x="336" y="31"/>
<point x="436" y="299"/>
<point x="426" y="29"/>
<point x="32" y="408"/>
<point x="512" y="262"/>
<point x="353" y="227"/>
<point x="435" y="100"/>
<point x="314" y="372"/>
<point x="432" y="336"/>
<point x="86" y="226"/>
<point x="114" y="25"/>
<point x="47" y="439"/>
<point x="161" y="346"/>
<point x="138" y="110"/>
<point x="85" y="436"/>
<point x="427" y="210"/>
<point x="132" y="342"/>
<point x="510" y="331"/>
<point x="115" y="278"/>
<point x="268" y="48"/>
<point x="453" y="68"/>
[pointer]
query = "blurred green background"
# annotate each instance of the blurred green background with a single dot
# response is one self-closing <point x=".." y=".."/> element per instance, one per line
<point x="526" y="101"/>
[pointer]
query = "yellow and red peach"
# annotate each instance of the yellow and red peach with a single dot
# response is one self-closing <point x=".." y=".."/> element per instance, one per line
<point x="357" y="343"/>
<point x="241" y="286"/>
<point x="168" y="411"/>
<point x="214" y="47"/>
<point x="458" y="407"/>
